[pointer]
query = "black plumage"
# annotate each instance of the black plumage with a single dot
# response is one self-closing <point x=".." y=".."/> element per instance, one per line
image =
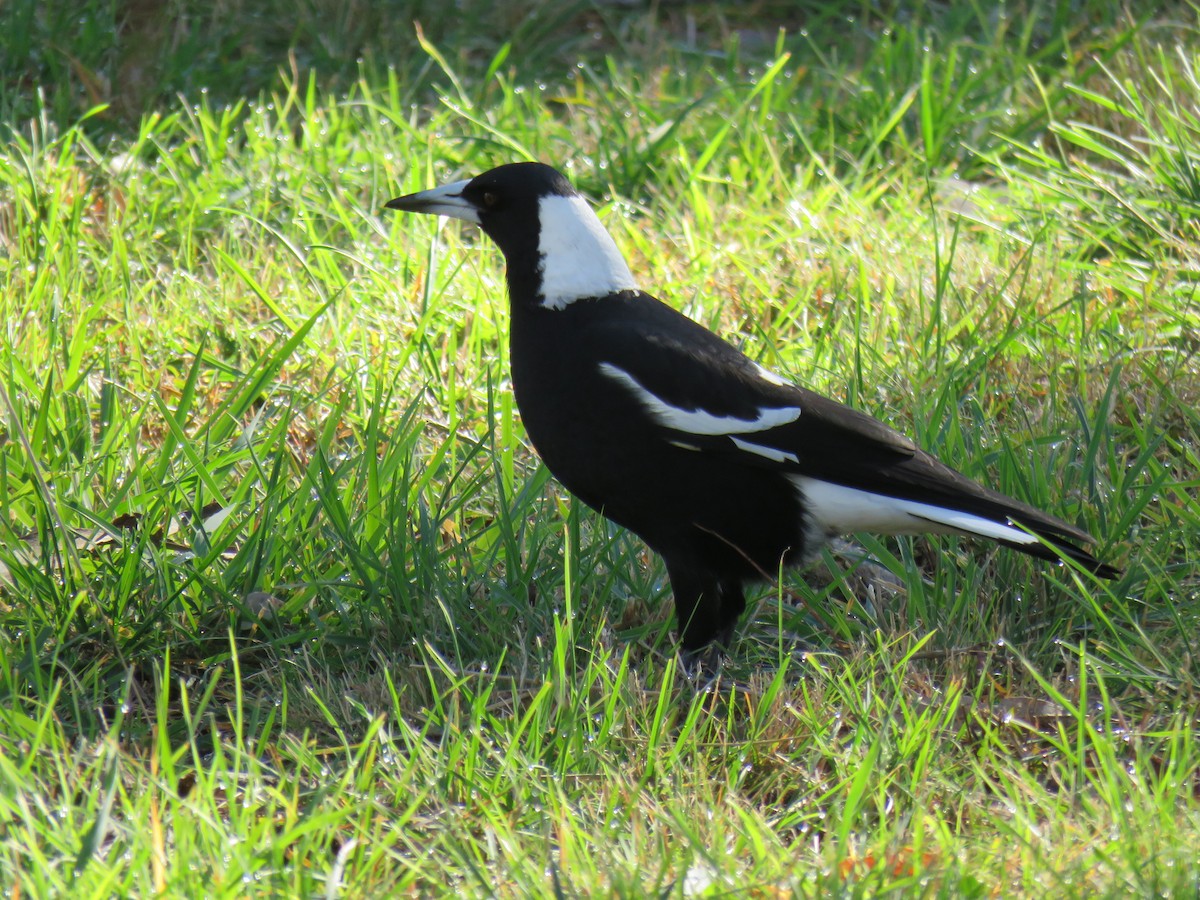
<point x="723" y="468"/>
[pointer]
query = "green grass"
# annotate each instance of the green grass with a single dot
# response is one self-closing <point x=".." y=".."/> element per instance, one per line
<point x="401" y="659"/>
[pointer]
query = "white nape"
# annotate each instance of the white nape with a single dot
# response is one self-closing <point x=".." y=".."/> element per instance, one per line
<point x="697" y="421"/>
<point x="836" y="509"/>
<point x="579" y="258"/>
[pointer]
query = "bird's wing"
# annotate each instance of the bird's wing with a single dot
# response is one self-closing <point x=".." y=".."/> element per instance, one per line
<point x="707" y="396"/>
<point x="701" y="391"/>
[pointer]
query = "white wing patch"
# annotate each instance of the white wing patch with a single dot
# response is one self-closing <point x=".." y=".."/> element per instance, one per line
<point x="770" y="453"/>
<point x="697" y="421"/>
<point x="836" y="509"/>
<point x="767" y="375"/>
<point x="579" y="258"/>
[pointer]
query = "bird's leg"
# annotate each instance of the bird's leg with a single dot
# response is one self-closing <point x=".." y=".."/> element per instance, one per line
<point x="697" y="605"/>
<point x="707" y="610"/>
<point x="707" y="658"/>
<point x="733" y="604"/>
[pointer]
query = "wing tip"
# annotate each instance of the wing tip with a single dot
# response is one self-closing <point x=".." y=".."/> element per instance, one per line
<point x="1056" y="549"/>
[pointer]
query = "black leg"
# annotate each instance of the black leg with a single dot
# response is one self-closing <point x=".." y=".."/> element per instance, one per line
<point x="698" y="605"/>
<point x="733" y="604"/>
<point x="707" y="610"/>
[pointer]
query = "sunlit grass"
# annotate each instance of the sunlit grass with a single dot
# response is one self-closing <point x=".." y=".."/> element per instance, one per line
<point x="289" y="607"/>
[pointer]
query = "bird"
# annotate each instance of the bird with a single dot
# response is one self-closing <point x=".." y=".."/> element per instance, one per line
<point x="726" y="470"/>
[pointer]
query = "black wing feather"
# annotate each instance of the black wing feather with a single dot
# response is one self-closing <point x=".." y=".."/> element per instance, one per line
<point x="690" y="368"/>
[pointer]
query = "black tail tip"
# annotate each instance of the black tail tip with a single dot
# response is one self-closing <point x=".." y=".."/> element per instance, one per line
<point x="1086" y="561"/>
<point x="1103" y="570"/>
<point x="1057" y="549"/>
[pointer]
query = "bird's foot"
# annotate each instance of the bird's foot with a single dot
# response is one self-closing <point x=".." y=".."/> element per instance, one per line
<point x="702" y="665"/>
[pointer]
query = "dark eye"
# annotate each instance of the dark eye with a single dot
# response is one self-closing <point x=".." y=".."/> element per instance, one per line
<point x="490" y="199"/>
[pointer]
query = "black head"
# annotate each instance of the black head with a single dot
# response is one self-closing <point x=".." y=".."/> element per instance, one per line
<point x="502" y="201"/>
<point x="557" y="250"/>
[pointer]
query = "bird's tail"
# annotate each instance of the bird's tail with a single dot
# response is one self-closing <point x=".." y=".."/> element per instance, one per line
<point x="1044" y="539"/>
<point x="838" y="509"/>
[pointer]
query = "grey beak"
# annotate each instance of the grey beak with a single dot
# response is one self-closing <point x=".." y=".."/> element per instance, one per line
<point x="446" y="200"/>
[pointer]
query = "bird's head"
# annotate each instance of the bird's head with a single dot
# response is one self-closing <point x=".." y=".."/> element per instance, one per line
<point x="556" y="249"/>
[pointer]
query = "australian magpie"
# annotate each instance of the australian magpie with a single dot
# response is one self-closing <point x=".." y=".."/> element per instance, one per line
<point x="725" y="469"/>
